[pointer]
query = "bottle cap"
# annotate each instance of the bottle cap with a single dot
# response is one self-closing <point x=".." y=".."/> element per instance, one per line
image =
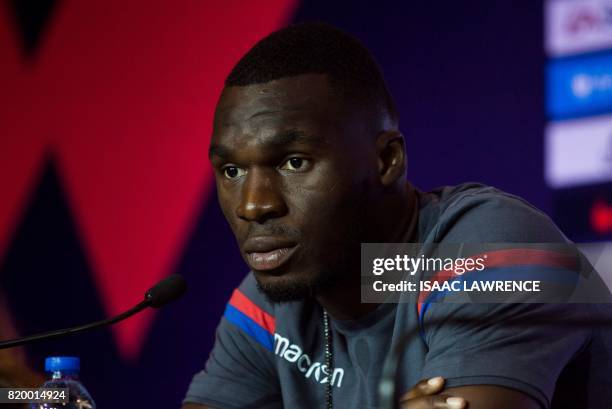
<point x="69" y="364"/>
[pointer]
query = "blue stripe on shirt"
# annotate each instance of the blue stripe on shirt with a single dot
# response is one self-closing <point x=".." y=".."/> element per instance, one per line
<point x="257" y="332"/>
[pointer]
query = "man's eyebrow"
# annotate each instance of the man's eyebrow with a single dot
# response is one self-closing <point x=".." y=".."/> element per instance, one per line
<point x="294" y="136"/>
<point x="218" y="150"/>
<point x="280" y="139"/>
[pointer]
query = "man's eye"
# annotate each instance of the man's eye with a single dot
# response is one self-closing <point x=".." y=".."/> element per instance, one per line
<point x="232" y="172"/>
<point x="295" y="164"/>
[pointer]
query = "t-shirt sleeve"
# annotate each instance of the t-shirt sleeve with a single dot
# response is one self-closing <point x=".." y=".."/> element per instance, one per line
<point x="528" y="358"/>
<point x="239" y="372"/>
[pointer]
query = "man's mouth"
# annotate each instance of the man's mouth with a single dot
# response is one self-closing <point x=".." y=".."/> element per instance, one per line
<point x="269" y="260"/>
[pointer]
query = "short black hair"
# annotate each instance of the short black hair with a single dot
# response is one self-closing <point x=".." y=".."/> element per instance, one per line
<point x="316" y="48"/>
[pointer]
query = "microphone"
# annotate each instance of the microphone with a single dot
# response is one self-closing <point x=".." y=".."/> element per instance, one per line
<point x="167" y="290"/>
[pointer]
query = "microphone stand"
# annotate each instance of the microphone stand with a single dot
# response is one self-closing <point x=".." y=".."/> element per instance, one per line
<point x="167" y="290"/>
<point x="68" y="331"/>
<point x="386" y="387"/>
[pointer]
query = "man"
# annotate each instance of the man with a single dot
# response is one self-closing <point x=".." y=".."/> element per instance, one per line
<point x="309" y="163"/>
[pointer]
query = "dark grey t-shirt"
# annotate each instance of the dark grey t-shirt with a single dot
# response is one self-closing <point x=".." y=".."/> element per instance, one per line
<point x="272" y="355"/>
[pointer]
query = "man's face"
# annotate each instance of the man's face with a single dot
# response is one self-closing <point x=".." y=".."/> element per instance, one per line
<point x="294" y="168"/>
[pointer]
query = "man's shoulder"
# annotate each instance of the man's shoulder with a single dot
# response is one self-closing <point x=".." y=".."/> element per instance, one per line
<point x="474" y="212"/>
<point x="472" y="195"/>
<point x="248" y="289"/>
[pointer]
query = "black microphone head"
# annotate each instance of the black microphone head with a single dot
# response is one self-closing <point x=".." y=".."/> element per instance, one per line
<point x="167" y="290"/>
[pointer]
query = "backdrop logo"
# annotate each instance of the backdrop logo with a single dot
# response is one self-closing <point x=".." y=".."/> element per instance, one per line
<point x="579" y="152"/>
<point x="579" y="86"/>
<point x="601" y="217"/>
<point x="578" y="26"/>
<point x="584" y="85"/>
<point x="586" y="19"/>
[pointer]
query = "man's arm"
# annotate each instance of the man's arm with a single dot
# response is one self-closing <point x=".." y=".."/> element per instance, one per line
<point x="430" y="394"/>
<point x="498" y="397"/>
<point x="427" y="394"/>
<point x="488" y="362"/>
<point x="479" y="397"/>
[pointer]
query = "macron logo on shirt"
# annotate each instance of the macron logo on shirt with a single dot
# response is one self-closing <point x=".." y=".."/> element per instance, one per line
<point x="293" y="354"/>
<point x="261" y="327"/>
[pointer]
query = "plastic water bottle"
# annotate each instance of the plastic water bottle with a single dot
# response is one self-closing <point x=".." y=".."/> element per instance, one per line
<point x="64" y="373"/>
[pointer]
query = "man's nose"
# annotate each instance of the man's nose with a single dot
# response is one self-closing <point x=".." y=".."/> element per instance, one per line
<point x="260" y="198"/>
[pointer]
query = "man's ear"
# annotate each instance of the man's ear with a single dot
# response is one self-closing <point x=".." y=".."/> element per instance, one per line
<point x="391" y="156"/>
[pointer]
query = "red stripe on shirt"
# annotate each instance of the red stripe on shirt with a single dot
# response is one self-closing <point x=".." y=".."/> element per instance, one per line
<point x="251" y="310"/>
<point x="508" y="258"/>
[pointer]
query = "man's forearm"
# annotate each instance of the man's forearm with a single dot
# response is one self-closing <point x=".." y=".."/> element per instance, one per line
<point x="490" y="396"/>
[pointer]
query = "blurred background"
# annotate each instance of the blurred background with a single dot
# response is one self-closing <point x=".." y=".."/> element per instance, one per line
<point x="105" y="116"/>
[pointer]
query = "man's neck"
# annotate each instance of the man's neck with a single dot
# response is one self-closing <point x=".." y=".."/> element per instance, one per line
<point x="343" y="300"/>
